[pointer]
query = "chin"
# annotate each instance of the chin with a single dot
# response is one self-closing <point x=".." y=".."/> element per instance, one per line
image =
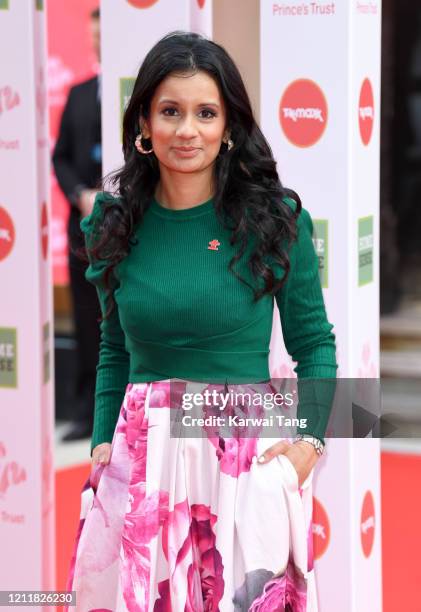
<point x="187" y="166"/>
<point x="188" y="170"/>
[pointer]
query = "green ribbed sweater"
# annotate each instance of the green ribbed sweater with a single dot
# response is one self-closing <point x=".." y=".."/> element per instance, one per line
<point x="182" y="314"/>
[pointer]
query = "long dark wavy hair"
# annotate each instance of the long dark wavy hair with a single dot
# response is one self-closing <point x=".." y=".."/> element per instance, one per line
<point x="248" y="193"/>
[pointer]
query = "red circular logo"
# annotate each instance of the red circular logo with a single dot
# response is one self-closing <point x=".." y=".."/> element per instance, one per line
<point x="7" y="233"/>
<point x="321" y="529"/>
<point x="201" y="3"/>
<point x="366" y="111"/>
<point x="368" y="523"/>
<point x="44" y="230"/>
<point x="303" y="113"/>
<point x="142" y="3"/>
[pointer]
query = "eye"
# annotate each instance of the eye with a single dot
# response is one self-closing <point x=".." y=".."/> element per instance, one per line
<point x="170" y="111"/>
<point x="207" y="113"/>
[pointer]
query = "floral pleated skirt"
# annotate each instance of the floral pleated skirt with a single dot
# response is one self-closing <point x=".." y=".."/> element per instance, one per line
<point x="189" y="523"/>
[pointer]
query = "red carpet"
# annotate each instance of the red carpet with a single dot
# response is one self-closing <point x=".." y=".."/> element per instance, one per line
<point x="401" y="531"/>
<point x="69" y="483"/>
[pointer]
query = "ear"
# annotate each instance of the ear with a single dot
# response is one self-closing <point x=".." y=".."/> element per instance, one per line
<point x="144" y="128"/>
<point x="226" y="136"/>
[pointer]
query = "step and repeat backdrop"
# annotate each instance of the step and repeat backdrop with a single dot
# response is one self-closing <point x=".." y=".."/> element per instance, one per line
<point x="313" y="71"/>
<point x="320" y="107"/>
<point x="27" y="550"/>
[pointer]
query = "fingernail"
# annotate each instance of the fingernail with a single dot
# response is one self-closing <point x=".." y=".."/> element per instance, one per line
<point x="261" y="459"/>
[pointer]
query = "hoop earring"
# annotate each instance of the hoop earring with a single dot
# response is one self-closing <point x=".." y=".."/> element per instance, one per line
<point x="139" y="147"/>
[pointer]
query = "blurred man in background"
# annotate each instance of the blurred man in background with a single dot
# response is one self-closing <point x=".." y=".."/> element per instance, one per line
<point x="77" y="163"/>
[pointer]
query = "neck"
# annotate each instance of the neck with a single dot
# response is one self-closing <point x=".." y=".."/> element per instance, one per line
<point x="178" y="190"/>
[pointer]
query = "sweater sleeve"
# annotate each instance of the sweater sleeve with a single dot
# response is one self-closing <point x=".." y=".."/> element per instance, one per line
<point x="114" y="360"/>
<point x="307" y="332"/>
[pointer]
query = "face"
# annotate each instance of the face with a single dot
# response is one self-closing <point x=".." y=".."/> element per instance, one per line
<point x="187" y="122"/>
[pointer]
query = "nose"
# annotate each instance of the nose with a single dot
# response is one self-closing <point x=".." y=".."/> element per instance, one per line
<point x="186" y="127"/>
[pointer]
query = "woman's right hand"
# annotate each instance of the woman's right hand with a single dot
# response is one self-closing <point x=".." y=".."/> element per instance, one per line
<point x="101" y="454"/>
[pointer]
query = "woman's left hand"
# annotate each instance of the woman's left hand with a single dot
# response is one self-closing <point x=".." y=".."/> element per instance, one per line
<point x="302" y="455"/>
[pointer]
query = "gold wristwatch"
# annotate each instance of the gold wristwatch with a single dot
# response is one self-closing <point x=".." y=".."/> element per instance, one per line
<point x="318" y="444"/>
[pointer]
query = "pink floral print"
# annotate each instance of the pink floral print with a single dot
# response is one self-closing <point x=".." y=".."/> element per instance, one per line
<point x="284" y="593"/>
<point x="162" y="527"/>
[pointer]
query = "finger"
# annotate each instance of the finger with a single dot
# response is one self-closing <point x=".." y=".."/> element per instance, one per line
<point x="102" y="458"/>
<point x="101" y="454"/>
<point x="105" y="458"/>
<point x="99" y="462"/>
<point x="272" y="451"/>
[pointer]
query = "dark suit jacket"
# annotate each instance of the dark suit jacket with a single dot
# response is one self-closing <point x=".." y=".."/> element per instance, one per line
<point x="77" y="154"/>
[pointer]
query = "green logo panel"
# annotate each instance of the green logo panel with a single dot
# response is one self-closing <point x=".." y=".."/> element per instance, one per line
<point x="4" y="5"/>
<point x="321" y="245"/>
<point x="365" y="250"/>
<point x="8" y="357"/>
<point x="126" y="88"/>
<point x="46" y="352"/>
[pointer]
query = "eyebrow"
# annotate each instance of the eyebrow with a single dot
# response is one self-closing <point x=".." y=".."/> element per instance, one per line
<point x="201" y="105"/>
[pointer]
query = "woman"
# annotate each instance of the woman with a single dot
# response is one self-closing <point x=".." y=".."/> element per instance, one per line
<point x="188" y="257"/>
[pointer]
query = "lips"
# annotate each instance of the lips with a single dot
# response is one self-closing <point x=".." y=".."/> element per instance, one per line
<point x="186" y="152"/>
<point x="186" y="149"/>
